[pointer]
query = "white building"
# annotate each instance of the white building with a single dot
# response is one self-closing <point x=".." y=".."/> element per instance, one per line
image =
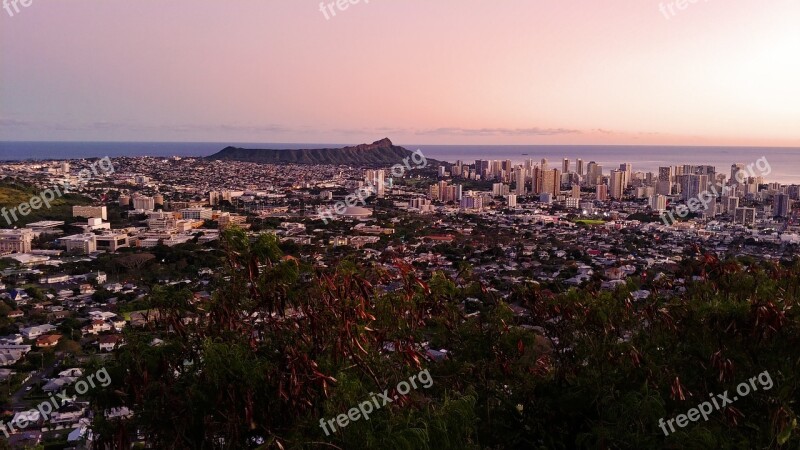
<point x="111" y="241"/>
<point x="196" y="213"/>
<point x="658" y="203"/>
<point x="144" y="203"/>
<point x="16" y="241"/>
<point x="511" y="199"/>
<point x="81" y="243"/>
<point x="376" y="178"/>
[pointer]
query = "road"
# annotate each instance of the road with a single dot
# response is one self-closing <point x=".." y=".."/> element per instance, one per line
<point x="17" y="400"/>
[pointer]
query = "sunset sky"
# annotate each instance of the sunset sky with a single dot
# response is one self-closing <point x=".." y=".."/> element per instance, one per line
<point x="719" y="72"/>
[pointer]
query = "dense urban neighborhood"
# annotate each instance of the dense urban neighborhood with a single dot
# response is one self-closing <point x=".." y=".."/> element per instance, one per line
<point x="89" y="271"/>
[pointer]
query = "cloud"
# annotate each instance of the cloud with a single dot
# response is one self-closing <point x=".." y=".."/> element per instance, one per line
<point x="535" y="131"/>
<point x="106" y="126"/>
<point x="384" y="131"/>
<point x="226" y="128"/>
<point x="13" y="123"/>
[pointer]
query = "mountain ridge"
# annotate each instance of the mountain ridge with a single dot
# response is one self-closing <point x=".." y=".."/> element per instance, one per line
<point x="380" y="153"/>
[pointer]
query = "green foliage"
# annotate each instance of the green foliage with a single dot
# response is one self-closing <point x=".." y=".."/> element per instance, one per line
<point x="269" y="356"/>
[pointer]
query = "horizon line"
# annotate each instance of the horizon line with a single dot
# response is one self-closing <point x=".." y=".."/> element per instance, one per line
<point x="228" y="143"/>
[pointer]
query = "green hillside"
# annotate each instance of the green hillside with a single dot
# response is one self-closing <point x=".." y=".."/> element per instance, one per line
<point x="13" y="194"/>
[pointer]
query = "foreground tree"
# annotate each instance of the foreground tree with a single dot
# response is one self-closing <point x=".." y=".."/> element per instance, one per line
<point x="276" y="351"/>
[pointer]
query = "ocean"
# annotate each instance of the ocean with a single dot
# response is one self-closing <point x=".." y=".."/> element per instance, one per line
<point x="784" y="162"/>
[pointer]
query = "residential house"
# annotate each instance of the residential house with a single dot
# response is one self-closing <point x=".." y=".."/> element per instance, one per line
<point x="96" y="327"/>
<point x="70" y="413"/>
<point x="109" y="343"/>
<point x="48" y="341"/>
<point x="36" y="331"/>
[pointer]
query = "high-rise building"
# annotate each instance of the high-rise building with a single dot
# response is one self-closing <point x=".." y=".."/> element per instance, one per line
<point x="520" y="176"/>
<point x="738" y="174"/>
<point x="601" y="192"/>
<point x="593" y="173"/>
<point x="627" y="170"/>
<point x="645" y="191"/>
<point x="692" y="186"/>
<point x="572" y="203"/>
<point x="711" y="171"/>
<point x="443" y="185"/>
<point x="731" y="204"/>
<point x="782" y="205"/>
<point x="617" y="184"/>
<point x="551" y="181"/>
<point x="496" y="169"/>
<point x="598" y="173"/>
<point x="565" y="166"/>
<point x="444" y="192"/>
<point x="664" y="187"/>
<point x="745" y="216"/>
<point x="665" y="173"/>
<point x="658" y="203"/>
<point x="481" y="168"/>
<point x="511" y="199"/>
<point x="529" y="165"/>
<point x="576" y="191"/>
<point x="471" y="202"/>
<point x="695" y="185"/>
<point x="536" y="180"/>
<point x="579" y="166"/>
<point x="376" y="178"/>
<point x="433" y="192"/>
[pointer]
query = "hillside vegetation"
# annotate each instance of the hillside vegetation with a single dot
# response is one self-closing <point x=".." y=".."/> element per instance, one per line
<point x="273" y="352"/>
<point x="13" y="194"/>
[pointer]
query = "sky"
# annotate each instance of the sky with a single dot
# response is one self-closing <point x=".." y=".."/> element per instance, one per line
<point x="669" y="72"/>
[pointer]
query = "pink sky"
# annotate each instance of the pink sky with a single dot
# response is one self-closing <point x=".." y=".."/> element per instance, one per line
<point x="719" y="72"/>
